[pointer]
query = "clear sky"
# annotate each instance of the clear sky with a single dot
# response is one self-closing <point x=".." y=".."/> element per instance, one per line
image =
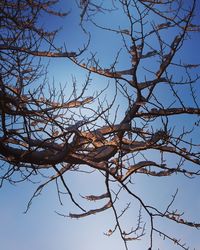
<point x="41" y="227"/>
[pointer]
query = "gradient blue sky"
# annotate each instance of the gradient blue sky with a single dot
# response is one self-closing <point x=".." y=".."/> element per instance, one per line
<point x="41" y="228"/>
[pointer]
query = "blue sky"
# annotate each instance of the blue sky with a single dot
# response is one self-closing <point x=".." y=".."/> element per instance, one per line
<point x="41" y="228"/>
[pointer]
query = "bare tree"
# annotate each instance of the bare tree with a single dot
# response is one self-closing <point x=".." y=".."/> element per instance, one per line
<point x="46" y="133"/>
